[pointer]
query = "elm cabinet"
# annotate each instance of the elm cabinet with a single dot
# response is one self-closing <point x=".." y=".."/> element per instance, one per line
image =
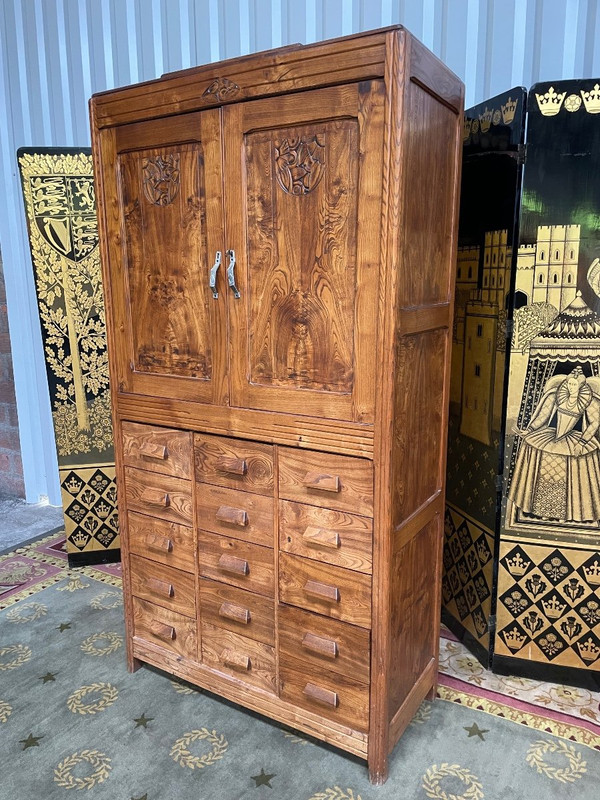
<point x="278" y="237"/>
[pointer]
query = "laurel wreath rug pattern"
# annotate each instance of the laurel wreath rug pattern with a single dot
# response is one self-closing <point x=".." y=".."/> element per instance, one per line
<point x="26" y="612"/>
<point x="182" y="756"/>
<point x="5" y="710"/>
<point x="108" y="694"/>
<point x="335" y="793"/>
<point x="576" y="765"/>
<point x="100" y="601"/>
<point x="114" y="642"/>
<point x="101" y="763"/>
<point x="434" y="776"/>
<point x="19" y="654"/>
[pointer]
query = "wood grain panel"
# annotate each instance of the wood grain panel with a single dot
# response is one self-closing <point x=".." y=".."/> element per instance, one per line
<point x="324" y="643"/>
<point x="163" y="627"/>
<point x="163" y="586"/>
<point x="162" y="541"/>
<point x="334" y="537"/>
<point x="309" y="584"/>
<point x="307" y="478"/>
<point x="158" y="495"/>
<point x="234" y="463"/>
<point x="158" y="449"/>
<point x="238" y="610"/>
<point x="223" y="559"/>
<point x="234" y="513"/>
<point x="251" y="661"/>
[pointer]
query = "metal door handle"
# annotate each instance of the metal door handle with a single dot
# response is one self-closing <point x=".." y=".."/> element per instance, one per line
<point x="231" y="274"/>
<point x="213" y="274"/>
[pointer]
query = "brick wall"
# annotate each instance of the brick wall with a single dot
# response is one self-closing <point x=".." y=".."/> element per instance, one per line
<point x="11" y="468"/>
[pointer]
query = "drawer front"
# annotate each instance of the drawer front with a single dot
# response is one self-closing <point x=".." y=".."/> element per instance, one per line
<point x="325" y="480"/>
<point x="332" y="591"/>
<point x="158" y="449"/>
<point x="164" y="586"/>
<point x="159" y="495"/>
<point x="323" y="643"/>
<point x="162" y="541"/>
<point x="234" y="463"/>
<point x="235" y="655"/>
<point x="331" y="695"/>
<point x="233" y="513"/>
<point x="237" y="563"/>
<point x="237" y="610"/>
<point x="334" y="537"/>
<point x="165" y="628"/>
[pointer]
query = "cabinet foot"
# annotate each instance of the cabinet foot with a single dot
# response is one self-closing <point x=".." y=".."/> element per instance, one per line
<point x="432" y="693"/>
<point x="378" y="773"/>
<point x="133" y="664"/>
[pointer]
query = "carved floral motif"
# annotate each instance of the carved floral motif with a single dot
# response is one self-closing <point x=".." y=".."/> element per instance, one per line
<point x="161" y="179"/>
<point x="299" y="164"/>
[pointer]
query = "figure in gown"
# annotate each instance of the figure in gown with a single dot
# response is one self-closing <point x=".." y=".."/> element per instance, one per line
<point x="557" y="474"/>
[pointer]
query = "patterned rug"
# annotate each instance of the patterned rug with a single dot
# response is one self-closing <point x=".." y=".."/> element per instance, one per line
<point x="72" y="718"/>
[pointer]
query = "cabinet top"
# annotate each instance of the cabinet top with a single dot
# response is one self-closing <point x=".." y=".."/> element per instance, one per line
<point x="364" y="56"/>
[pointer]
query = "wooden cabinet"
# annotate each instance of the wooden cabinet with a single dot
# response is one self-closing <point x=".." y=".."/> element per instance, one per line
<point x="278" y="236"/>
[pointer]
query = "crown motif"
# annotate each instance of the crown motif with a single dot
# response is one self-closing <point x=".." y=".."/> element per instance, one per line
<point x="508" y="110"/>
<point x="592" y="573"/>
<point x="466" y="128"/>
<point x="485" y="120"/>
<point x="591" y="100"/>
<point x="103" y="510"/>
<point x="79" y="539"/>
<point x="550" y="103"/>
<point x="517" y="566"/>
<point x="74" y="485"/>
<point x="589" y="650"/>
<point x="553" y="607"/>
<point x="483" y="552"/>
<point x="514" y="640"/>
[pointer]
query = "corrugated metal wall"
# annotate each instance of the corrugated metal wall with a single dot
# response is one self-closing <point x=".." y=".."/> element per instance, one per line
<point x="55" y="53"/>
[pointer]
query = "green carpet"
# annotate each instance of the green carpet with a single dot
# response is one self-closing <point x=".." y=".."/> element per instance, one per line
<point x="74" y="722"/>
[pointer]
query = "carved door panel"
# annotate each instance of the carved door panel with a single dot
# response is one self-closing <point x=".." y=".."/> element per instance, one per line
<point x="172" y="331"/>
<point x="302" y="202"/>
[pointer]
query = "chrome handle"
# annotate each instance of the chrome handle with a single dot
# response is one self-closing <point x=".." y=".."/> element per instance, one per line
<point x="231" y="274"/>
<point x="213" y="274"/>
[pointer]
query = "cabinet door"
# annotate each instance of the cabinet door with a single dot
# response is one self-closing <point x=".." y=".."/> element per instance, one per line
<point x="167" y="227"/>
<point x="303" y="216"/>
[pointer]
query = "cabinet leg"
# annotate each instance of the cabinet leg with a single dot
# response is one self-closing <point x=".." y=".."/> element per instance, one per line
<point x="432" y="693"/>
<point x="378" y="773"/>
<point x="133" y="664"/>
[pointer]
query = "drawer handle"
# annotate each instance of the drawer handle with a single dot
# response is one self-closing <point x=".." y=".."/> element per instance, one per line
<point x="321" y="695"/>
<point x="153" y="450"/>
<point x="161" y="543"/>
<point x="236" y="613"/>
<point x="155" y="497"/>
<point x="235" y="466"/>
<point x="161" y="631"/>
<point x="232" y="516"/>
<point x="236" y="660"/>
<point x="325" y="483"/>
<point x="320" y="646"/>
<point x="321" y="537"/>
<point x="324" y="591"/>
<point x="160" y="587"/>
<point x="233" y="564"/>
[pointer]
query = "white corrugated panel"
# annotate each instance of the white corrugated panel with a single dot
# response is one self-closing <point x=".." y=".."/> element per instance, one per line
<point x="55" y="53"/>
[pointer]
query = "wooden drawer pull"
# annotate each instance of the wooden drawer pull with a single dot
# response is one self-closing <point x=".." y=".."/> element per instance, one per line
<point x="326" y="483"/>
<point x="233" y="516"/>
<point x="160" y="587"/>
<point x="319" y="645"/>
<point x="155" y="451"/>
<point x="161" y="543"/>
<point x="236" y="613"/>
<point x="321" y="695"/>
<point x="324" y="591"/>
<point x="321" y="537"/>
<point x="155" y="497"/>
<point x="235" y="565"/>
<point x="161" y="631"/>
<point x="236" y="660"/>
<point x="235" y="466"/>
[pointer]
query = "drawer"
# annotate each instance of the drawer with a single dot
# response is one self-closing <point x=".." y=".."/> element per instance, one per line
<point x="234" y="463"/>
<point x="243" y="658"/>
<point x="162" y="541"/>
<point x="233" y="513"/>
<point x="158" y="449"/>
<point x="159" y="495"/>
<point x="328" y="694"/>
<point x="248" y="566"/>
<point x="163" y="627"/>
<point x="334" y="537"/>
<point x="237" y="610"/>
<point x="165" y="586"/>
<point x="332" y="591"/>
<point x="322" y="479"/>
<point x="323" y="643"/>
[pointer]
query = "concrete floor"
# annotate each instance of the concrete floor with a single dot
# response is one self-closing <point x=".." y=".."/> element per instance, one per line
<point x="21" y="521"/>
